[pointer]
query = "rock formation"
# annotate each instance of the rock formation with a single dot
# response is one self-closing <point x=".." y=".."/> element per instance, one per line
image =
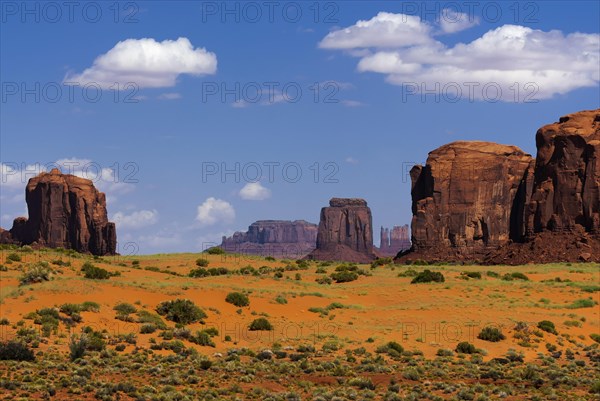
<point x="467" y="199"/>
<point x="65" y="211"/>
<point x="393" y="241"/>
<point x="493" y="203"/>
<point x="277" y="238"/>
<point x="345" y="232"/>
<point x="566" y="189"/>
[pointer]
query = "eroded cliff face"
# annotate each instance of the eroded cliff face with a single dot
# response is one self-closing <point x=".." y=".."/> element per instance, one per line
<point x="467" y="197"/>
<point x="482" y="201"/>
<point x="345" y="232"/>
<point x="65" y="211"/>
<point x="277" y="238"/>
<point x="566" y="190"/>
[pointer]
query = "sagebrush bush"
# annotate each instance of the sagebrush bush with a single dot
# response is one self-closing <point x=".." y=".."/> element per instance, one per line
<point x="215" y="250"/>
<point x="261" y="324"/>
<point x="547" y="326"/>
<point x="36" y="273"/>
<point x="93" y="272"/>
<point x="201" y="262"/>
<point x="491" y="334"/>
<point x="466" y="348"/>
<point x="15" y="351"/>
<point x="181" y="311"/>
<point x="428" y="276"/>
<point x="238" y="299"/>
<point x="345" y="276"/>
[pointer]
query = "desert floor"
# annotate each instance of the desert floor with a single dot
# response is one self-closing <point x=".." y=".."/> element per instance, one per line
<point x="328" y="340"/>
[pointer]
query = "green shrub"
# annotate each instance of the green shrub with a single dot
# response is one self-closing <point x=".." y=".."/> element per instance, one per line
<point x="15" y="257"/>
<point x="280" y="299"/>
<point x="36" y="273"/>
<point x="344" y="276"/>
<point x="201" y="262"/>
<point x="491" y="334"/>
<point x="181" y="311"/>
<point x="466" y="348"/>
<point x="492" y="274"/>
<point x="381" y="262"/>
<point x="238" y="299"/>
<point x="151" y="318"/>
<point x="78" y="346"/>
<point x="595" y="337"/>
<point x="215" y="250"/>
<point x="547" y="326"/>
<point x="89" y="306"/>
<point x="93" y="272"/>
<point x="261" y="324"/>
<point x="428" y="276"/>
<point x="214" y="271"/>
<point x="123" y="310"/>
<point x="324" y="280"/>
<point x="515" y="276"/>
<point x="147" y="328"/>
<point x="475" y="275"/>
<point x="392" y="348"/>
<point x="15" y="351"/>
<point x="270" y="258"/>
<point x="202" y="338"/>
<point x="582" y="303"/>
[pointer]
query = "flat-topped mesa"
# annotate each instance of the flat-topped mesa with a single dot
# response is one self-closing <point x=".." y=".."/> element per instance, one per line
<point x="345" y="232"/>
<point x="566" y="191"/>
<point x="468" y="198"/>
<point x="65" y="211"/>
<point x="347" y="202"/>
<point x="277" y="238"/>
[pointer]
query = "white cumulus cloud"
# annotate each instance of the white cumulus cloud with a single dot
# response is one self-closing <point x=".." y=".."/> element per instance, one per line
<point x="135" y="220"/>
<point x="147" y="64"/>
<point x="254" y="191"/>
<point x="404" y="48"/>
<point x="213" y="211"/>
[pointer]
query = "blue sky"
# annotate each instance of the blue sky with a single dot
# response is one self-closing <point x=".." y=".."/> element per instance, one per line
<point x="148" y="144"/>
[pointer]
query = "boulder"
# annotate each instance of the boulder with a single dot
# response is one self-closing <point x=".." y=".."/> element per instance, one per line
<point x="345" y="232"/>
<point x="65" y="211"/>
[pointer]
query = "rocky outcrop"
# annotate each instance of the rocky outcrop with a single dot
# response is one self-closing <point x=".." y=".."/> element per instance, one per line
<point x="468" y="198"/>
<point x="65" y="211"/>
<point x="345" y="232"/>
<point x="393" y="241"/>
<point x="493" y="203"/>
<point x="277" y="238"/>
<point x="566" y="190"/>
